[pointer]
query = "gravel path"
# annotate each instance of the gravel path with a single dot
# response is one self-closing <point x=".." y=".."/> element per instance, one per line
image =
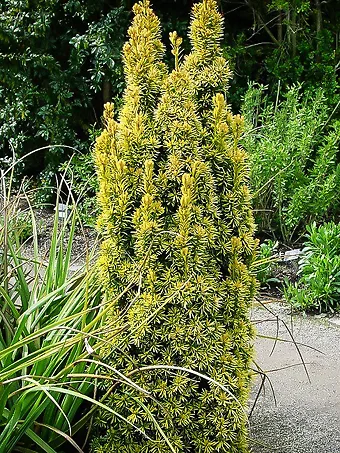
<point x="306" y="417"/>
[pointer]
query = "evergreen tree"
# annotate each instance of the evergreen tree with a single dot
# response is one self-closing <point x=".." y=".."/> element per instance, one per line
<point x="176" y="221"/>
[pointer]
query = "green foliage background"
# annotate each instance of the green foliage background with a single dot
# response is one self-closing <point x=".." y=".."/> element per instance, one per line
<point x="57" y="61"/>
<point x="60" y="61"/>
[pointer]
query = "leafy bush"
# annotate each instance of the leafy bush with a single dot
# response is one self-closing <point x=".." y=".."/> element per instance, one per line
<point x="319" y="270"/>
<point x="283" y="42"/>
<point x="177" y="227"/>
<point x="294" y="160"/>
<point x="59" y="59"/>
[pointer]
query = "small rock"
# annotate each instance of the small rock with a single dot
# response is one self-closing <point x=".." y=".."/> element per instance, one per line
<point x="62" y="210"/>
<point x="335" y="321"/>
<point x="292" y="255"/>
<point x="76" y="267"/>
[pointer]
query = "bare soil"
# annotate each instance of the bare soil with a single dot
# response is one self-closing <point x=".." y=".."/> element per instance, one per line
<point x="85" y="240"/>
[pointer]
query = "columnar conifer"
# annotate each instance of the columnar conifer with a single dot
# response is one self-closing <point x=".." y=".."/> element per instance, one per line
<point x="176" y="221"/>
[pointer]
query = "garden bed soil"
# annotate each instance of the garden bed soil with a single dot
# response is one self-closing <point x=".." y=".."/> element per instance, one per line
<point x="85" y="241"/>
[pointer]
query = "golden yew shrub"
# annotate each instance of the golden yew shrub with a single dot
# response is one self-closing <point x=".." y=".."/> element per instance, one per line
<point x="177" y="231"/>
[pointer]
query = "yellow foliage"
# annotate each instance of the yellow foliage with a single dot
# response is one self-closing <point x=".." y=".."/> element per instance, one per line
<point x="177" y="223"/>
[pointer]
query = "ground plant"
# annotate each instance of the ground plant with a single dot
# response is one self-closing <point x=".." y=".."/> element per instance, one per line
<point x="318" y="287"/>
<point x="266" y="262"/>
<point x="176" y="221"/>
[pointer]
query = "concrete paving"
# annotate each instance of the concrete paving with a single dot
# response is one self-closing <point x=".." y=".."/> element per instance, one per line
<point x="306" y="416"/>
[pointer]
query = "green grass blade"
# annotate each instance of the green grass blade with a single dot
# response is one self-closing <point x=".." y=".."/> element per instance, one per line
<point x="40" y="442"/>
<point x="62" y="434"/>
<point x="7" y="434"/>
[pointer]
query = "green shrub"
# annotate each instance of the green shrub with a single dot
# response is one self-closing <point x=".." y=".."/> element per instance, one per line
<point x="318" y="287"/>
<point x="59" y="59"/>
<point x="294" y="160"/>
<point x="178" y="229"/>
